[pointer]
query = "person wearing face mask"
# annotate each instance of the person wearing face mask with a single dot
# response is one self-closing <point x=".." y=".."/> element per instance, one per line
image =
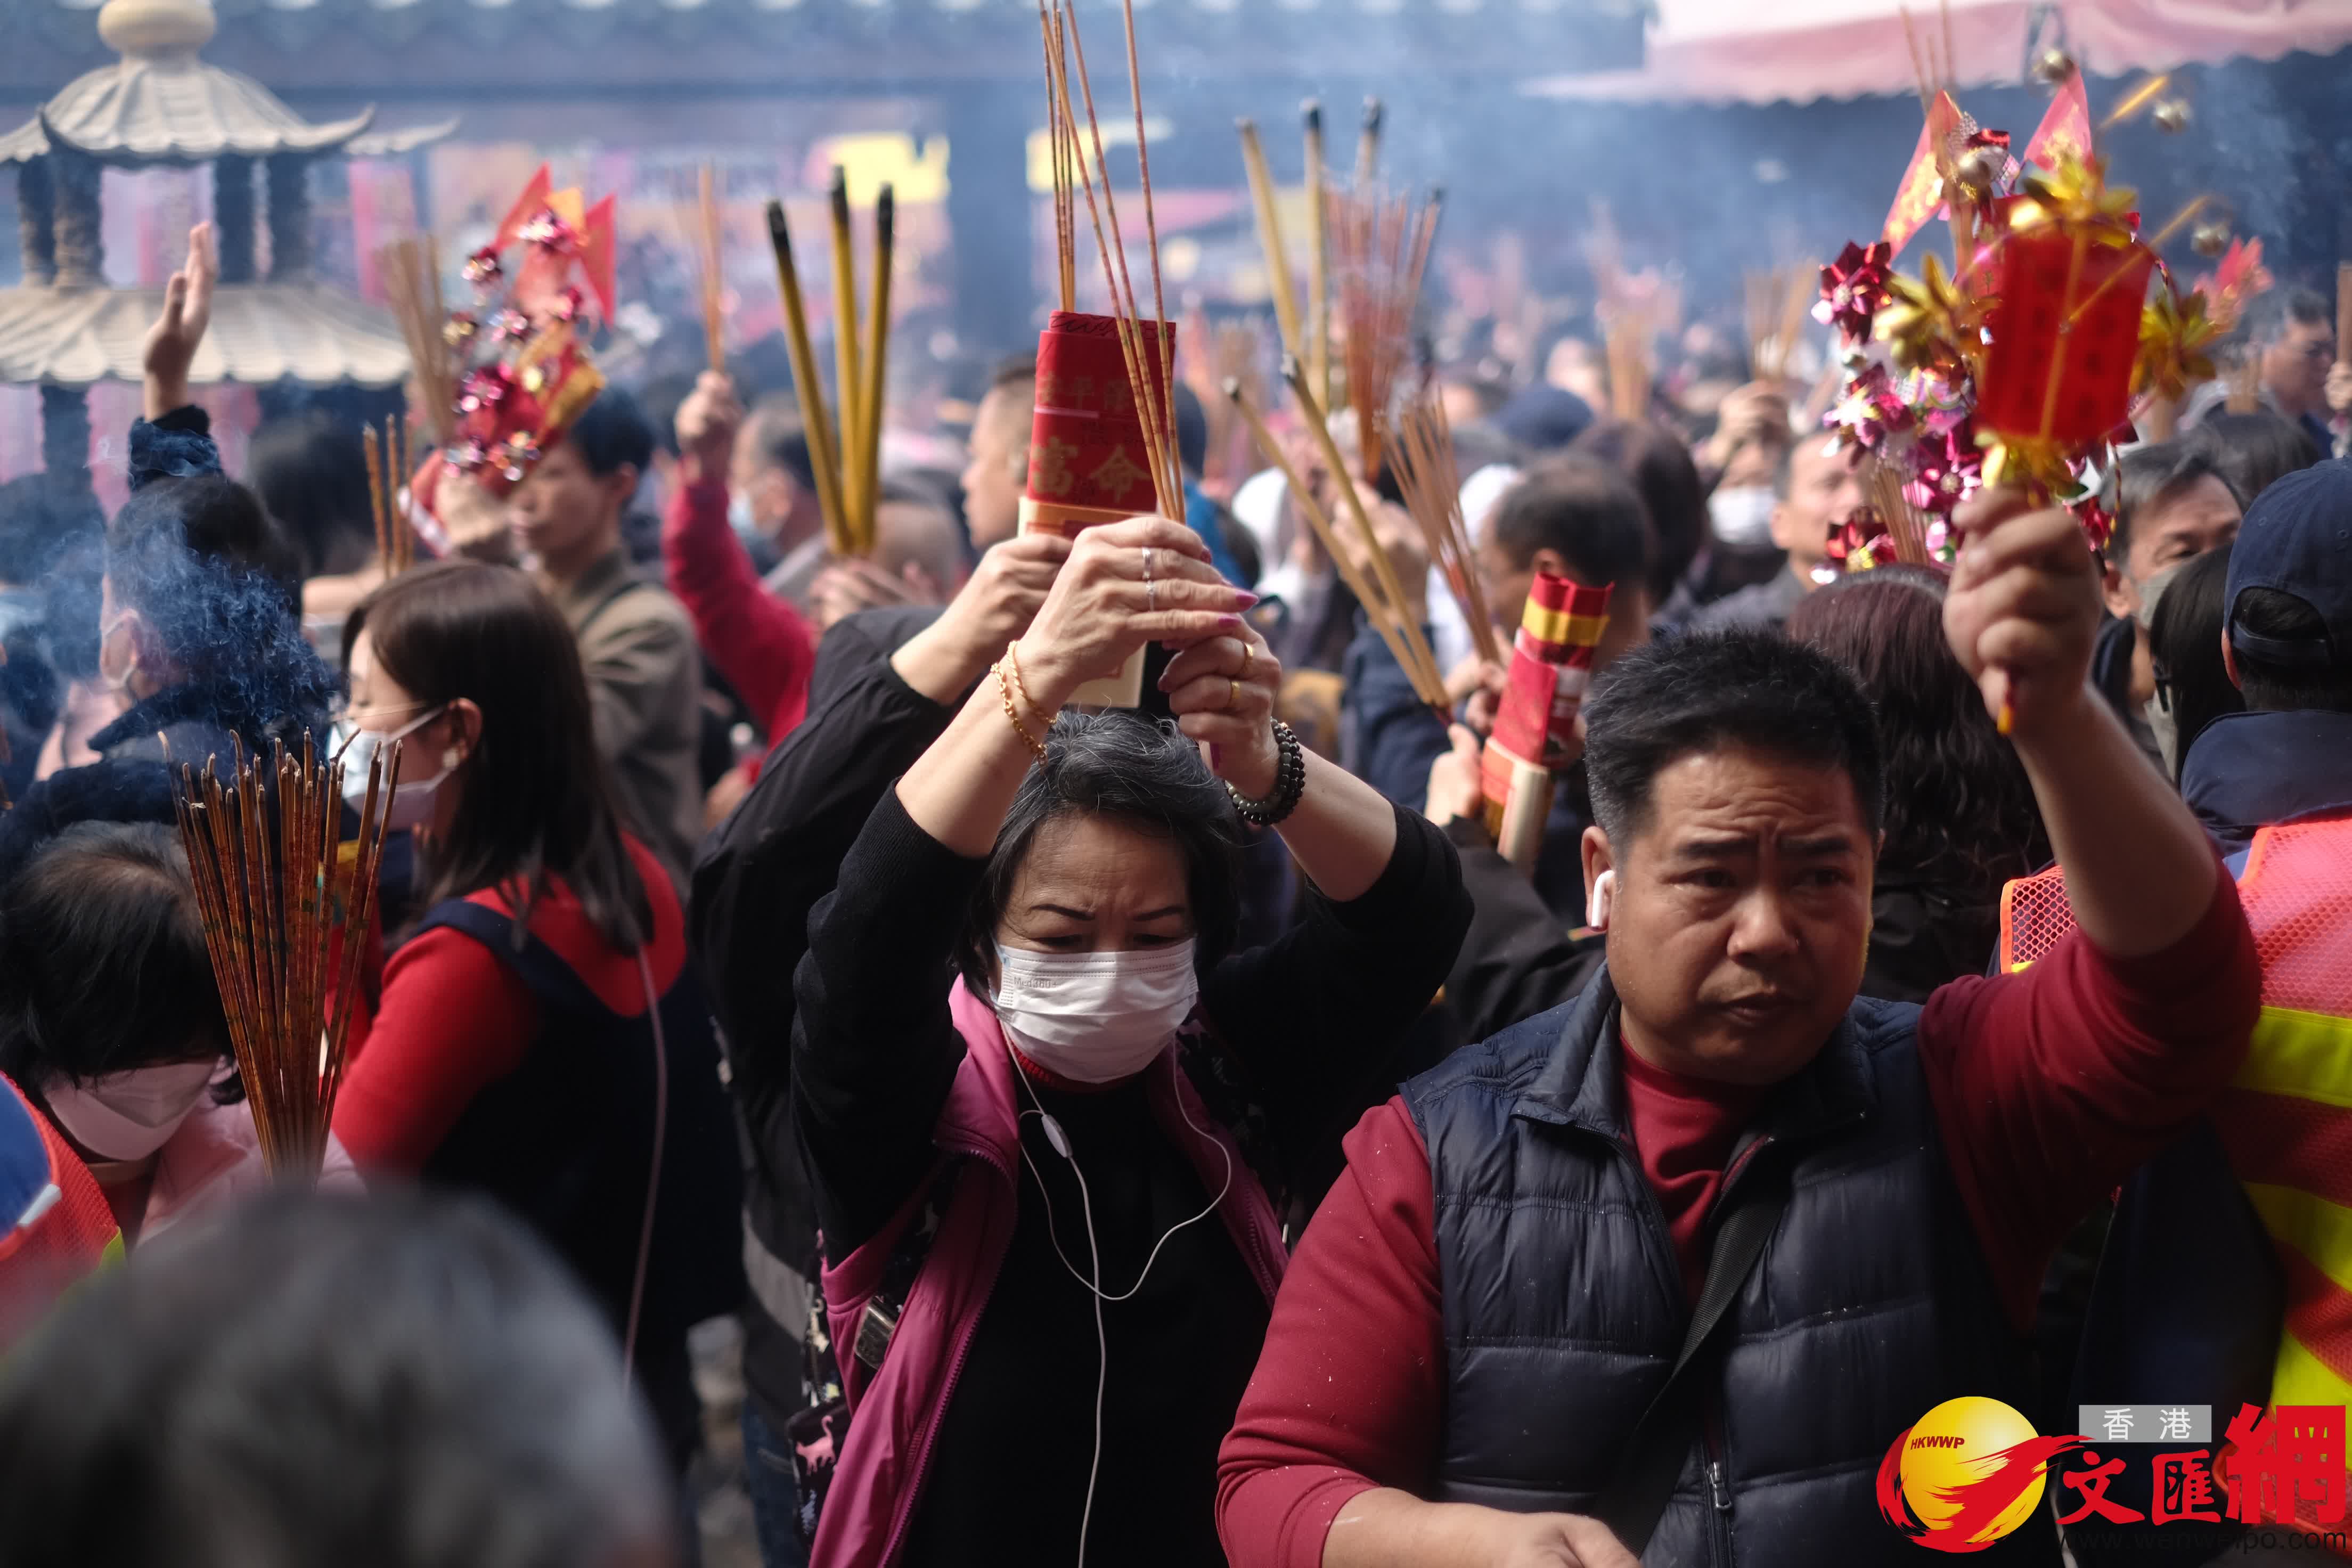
<point x="1816" y="487"/>
<point x="110" y="1022"/>
<point x="540" y="1037"/>
<point x="199" y="623"/>
<point x="1100" y="1109"/>
<point x="2173" y="505"/>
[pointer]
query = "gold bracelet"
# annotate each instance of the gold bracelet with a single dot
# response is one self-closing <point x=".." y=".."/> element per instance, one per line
<point x="1012" y="716"/>
<point x="1012" y="658"/>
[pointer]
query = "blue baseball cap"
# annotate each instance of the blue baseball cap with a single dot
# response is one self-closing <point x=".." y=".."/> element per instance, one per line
<point x="2298" y="540"/>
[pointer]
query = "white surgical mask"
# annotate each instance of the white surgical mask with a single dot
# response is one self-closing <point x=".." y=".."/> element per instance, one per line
<point x="739" y="516"/>
<point x="129" y="1115"/>
<point x="1095" y="1017"/>
<point x="1741" y="515"/>
<point x="120" y="682"/>
<point x="412" y="804"/>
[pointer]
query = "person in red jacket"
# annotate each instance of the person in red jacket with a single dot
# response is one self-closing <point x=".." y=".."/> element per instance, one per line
<point x="1465" y="1361"/>
<point x="759" y="644"/>
<point x="541" y="1037"/>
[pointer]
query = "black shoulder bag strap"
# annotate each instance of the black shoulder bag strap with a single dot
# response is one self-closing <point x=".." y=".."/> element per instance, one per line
<point x="1645" y="1480"/>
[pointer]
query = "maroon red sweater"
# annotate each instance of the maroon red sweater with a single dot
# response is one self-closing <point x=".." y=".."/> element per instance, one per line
<point x="2049" y="1085"/>
<point x="759" y="645"/>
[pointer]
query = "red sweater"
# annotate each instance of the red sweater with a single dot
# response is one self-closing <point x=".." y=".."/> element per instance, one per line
<point x="454" y="1018"/>
<point x="2049" y="1085"/>
<point x="759" y="645"/>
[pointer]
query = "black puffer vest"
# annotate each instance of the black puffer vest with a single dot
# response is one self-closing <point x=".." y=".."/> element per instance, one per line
<point x="1564" y="1306"/>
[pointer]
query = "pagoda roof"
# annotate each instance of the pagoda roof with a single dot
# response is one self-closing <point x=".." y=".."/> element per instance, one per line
<point x="260" y="333"/>
<point x="159" y="103"/>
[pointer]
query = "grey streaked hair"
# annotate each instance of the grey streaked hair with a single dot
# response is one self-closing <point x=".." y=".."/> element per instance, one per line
<point x="1140" y="772"/>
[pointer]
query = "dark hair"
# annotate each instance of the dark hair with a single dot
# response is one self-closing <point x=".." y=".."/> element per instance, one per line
<point x="2270" y="313"/>
<point x="398" y="1381"/>
<point x="221" y="586"/>
<point x="2275" y="688"/>
<point x="1709" y="691"/>
<point x="612" y="433"/>
<point x="1138" y="772"/>
<point x="2151" y="474"/>
<point x="2253" y="451"/>
<point x="775" y="428"/>
<point x="1581" y="509"/>
<point x="538" y="800"/>
<point x="1013" y="370"/>
<point x="660" y="400"/>
<point x="102" y="959"/>
<point x="2184" y="644"/>
<point x="311" y="473"/>
<point x="1660" y="467"/>
<point x="1961" y="815"/>
<point x="1191" y="424"/>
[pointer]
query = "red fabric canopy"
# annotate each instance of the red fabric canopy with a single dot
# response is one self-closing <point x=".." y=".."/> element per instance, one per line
<point x="1719" y="51"/>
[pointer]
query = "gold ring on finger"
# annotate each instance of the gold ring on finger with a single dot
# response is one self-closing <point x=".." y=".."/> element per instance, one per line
<point x="1249" y="653"/>
<point x="1232" y="692"/>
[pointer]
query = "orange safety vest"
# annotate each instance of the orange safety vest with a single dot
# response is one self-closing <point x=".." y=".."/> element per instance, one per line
<point x="66" y="1230"/>
<point x="2286" y="1117"/>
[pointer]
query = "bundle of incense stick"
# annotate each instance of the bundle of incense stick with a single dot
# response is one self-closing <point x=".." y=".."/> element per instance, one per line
<point x="387" y="472"/>
<point x="710" y="243"/>
<point x="1780" y="303"/>
<point x="1381" y="595"/>
<point x="1143" y="339"/>
<point x="1422" y="459"/>
<point x="1906" y="524"/>
<point x="411" y="270"/>
<point x="1278" y="282"/>
<point x="286" y="906"/>
<point x="1319" y="259"/>
<point x="1382" y="244"/>
<point x="847" y="457"/>
<point x="1625" y="324"/>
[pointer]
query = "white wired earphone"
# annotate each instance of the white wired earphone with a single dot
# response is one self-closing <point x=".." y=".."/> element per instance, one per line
<point x="653" y="1173"/>
<point x="1060" y="1141"/>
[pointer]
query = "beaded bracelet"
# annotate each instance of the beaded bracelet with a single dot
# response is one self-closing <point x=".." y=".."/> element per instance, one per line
<point x="1289" y="782"/>
<point x="1012" y="714"/>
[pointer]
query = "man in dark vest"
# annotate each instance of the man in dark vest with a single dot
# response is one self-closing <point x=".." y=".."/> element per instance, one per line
<point x="1483" y="1351"/>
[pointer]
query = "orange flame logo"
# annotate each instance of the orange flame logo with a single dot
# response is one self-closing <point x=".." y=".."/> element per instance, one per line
<point x="1967" y="1474"/>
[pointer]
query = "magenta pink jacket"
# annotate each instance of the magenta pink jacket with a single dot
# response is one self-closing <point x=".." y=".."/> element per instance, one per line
<point x="897" y="1412"/>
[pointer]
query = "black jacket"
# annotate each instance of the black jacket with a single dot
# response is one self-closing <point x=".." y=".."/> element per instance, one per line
<point x="131" y="780"/>
<point x="1563" y="1304"/>
<point x="758" y="879"/>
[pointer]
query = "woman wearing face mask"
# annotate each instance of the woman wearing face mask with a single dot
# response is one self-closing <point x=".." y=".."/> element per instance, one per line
<point x="110" y="1022"/>
<point x="1099" y="1111"/>
<point x="540" y="1037"/>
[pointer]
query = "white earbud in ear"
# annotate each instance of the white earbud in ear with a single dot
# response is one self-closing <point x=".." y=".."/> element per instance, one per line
<point x="1604" y="889"/>
<point x="452" y="757"/>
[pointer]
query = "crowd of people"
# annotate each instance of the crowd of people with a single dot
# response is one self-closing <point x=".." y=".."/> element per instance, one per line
<point x="1173" y="1134"/>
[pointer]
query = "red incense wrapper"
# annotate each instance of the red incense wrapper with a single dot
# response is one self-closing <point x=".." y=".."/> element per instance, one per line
<point x="1552" y="663"/>
<point x="2065" y="332"/>
<point x="1088" y="460"/>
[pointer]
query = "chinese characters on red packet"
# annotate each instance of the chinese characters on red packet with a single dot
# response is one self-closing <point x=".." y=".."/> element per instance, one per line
<point x="1090" y="459"/>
